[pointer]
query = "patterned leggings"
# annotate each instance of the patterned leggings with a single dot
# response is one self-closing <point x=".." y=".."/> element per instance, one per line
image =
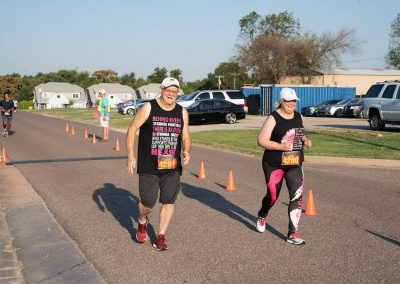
<point x="294" y="181"/>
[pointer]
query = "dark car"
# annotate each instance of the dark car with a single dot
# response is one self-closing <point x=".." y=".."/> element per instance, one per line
<point x="353" y="109"/>
<point x="317" y="108"/>
<point x="215" y="110"/>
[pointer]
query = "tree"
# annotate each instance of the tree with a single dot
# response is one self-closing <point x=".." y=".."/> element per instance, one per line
<point x="393" y="56"/>
<point x="105" y="76"/>
<point x="234" y="76"/>
<point x="11" y="84"/>
<point x="266" y="59"/>
<point x="158" y="75"/>
<point x="280" y="50"/>
<point x="249" y="25"/>
<point x="128" y="79"/>
<point x="282" y="24"/>
<point x="177" y="74"/>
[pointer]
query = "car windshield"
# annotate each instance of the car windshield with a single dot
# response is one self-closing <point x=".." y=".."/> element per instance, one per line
<point x="345" y="101"/>
<point x="188" y="97"/>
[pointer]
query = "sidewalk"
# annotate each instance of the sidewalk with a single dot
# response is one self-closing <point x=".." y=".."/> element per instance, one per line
<point x="34" y="248"/>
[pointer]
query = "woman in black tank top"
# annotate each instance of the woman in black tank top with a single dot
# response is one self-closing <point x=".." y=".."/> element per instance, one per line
<point x="282" y="137"/>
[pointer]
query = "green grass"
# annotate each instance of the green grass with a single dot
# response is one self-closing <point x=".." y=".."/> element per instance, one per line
<point x="116" y="120"/>
<point x="326" y="142"/>
<point x="332" y="143"/>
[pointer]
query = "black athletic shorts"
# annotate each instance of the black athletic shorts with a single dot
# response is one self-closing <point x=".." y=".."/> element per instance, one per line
<point x="167" y="184"/>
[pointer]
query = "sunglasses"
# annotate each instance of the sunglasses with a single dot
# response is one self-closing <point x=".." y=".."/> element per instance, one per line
<point x="292" y="101"/>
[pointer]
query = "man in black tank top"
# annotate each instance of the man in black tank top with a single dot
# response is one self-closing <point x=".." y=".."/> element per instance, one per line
<point x="164" y="135"/>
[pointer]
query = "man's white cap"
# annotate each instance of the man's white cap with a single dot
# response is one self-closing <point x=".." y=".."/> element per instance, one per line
<point x="102" y="91"/>
<point x="169" y="81"/>
<point x="288" y="94"/>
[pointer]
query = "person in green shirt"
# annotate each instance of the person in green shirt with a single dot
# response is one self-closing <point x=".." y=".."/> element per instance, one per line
<point x="104" y="112"/>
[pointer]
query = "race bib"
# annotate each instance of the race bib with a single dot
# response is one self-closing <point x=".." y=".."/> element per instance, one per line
<point x="291" y="158"/>
<point x="166" y="162"/>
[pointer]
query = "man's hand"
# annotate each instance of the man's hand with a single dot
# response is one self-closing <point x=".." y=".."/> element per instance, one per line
<point x="131" y="165"/>
<point x="186" y="158"/>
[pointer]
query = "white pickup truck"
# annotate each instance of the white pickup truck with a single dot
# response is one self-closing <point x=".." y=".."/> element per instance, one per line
<point x="382" y="104"/>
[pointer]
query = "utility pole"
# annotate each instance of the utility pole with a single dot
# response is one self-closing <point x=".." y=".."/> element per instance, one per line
<point x="234" y="80"/>
<point x="219" y="81"/>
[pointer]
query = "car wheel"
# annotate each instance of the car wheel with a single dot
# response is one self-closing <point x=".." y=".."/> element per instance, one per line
<point x="130" y="111"/>
<point x="338" y="113"/>
<point x="230" y="118"/>
<point x="376" y="123"/>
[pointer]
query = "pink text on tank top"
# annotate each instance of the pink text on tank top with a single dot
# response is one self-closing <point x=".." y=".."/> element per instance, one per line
<point x="165" y="134"/>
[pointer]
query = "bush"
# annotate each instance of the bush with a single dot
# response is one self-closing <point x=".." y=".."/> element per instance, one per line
<point x="25" y="104"/>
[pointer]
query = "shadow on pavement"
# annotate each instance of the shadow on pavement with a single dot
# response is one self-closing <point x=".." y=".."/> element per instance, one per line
<point x="123" y="206"/>
<point x="217" y="202"/>
<point x="390" y="240"/>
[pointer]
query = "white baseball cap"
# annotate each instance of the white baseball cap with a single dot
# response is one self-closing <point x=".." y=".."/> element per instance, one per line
<point x="169" y="81"/>
<point x="288" y="94"/>
<point x="102" y="91"/>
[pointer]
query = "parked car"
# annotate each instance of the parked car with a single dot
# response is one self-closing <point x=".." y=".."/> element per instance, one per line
<point x="382" y="104"/>
<point x="353" y="108"/>
<point x="334" y="110"/>
<point x="130" y="107"/>
<point x="233" y="96"/>
<point x="215" y="110"/>
<point x="316" y="109"/>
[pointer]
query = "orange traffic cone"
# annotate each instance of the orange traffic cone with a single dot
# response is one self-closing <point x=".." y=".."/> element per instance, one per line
<point x="202" y="173"/>
<point x="117" y="148"/>
<point x="310" y="208"/>
<point x="94" y="140"/>
<point x="230" y="186"/>
<point x="86" y="136"/>
<point x="4" y="159"/>
<point x="67" y="128"/>
<point x="72" y="130"/>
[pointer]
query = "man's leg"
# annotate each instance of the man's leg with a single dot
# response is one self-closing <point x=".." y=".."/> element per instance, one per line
<point x="166" y="213"/>
<point x="143" y="213"/>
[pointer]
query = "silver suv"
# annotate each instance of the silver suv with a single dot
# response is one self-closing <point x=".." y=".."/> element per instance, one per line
<point x="382" y="104"/>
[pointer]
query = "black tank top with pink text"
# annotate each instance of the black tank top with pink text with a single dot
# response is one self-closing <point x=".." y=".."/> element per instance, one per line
<point x="160" y="137"/>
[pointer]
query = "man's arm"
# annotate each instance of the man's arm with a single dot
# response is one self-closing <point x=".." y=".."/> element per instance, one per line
<point x="187" y="141"/>
<point x="140" y="118"/>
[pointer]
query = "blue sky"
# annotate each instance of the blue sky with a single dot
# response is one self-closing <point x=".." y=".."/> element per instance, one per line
<point x="194" y="36"/>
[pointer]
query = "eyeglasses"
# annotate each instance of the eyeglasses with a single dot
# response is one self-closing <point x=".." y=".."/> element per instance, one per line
<point x="291" y="101"/>
<point x="172" y="92"/>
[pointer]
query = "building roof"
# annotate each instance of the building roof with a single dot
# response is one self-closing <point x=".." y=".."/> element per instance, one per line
<point x="112" y="88"/>
<point x="361" y="71"/>
<point x="59" y="87"/>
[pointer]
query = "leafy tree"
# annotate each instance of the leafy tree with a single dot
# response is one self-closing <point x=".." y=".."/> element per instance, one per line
<point x="158" y="75"/>
<point x="128" y="79"/>
<point x="177" y="74"/>
<point x="106" y="76"/>
<point x="282" y="24"/>
<point x="280" y="50"/>
<point x="266" y="59"/>
<point x="393" y="56"/>
<point x="11" y="84"/>
<point x="249" y="25"/>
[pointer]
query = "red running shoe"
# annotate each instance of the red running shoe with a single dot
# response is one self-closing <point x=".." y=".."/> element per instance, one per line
<point x="141" y="233"/>
<point x="160" y="243"/>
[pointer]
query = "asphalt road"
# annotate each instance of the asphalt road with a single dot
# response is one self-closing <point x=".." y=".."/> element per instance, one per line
<point x="354" y="238"/>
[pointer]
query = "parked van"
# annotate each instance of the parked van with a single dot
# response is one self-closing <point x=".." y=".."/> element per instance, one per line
<point x="233" y="96"/>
